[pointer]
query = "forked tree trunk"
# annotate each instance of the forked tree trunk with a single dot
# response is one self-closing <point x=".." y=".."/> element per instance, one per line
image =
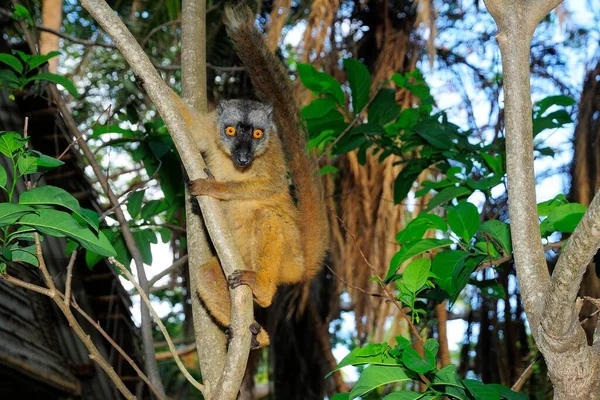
<point x="550" y="302"/>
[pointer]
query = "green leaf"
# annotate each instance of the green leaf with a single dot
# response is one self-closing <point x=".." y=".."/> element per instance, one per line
<point x="22" y="13"/>
<point x="2" y="268"/>
<point x="25" y="254"/>
<point x="360" y="83"/>
<point x="432" y="345"/>
<point x="348" y="143"/>
<point x="508" y="394"/>
<point x="38" y="59"/>
<point x="384" y="108"/>
<point x="448" y="377"/>
<point x="52" y="195"/>
<point x="368" y="128"/>
<point x="418" y="226"/>
<point x="403" y="395"/>
<point x="153" y="208"/>
<point x="144" y="246"/>
<point x="413" y="361"/>
<point x="328" y="169"/>
<point x="447" y="195"/>
<point x="45" y="161"/>
<point x="561" y="100"/>
<point x="57" y="79"/>
<point x="3" y="177"/>
<point x="27" y="164"/>
<point x="481" y="391"/>
<point x="494" y="162"/>
<point x="59" y="223"/>
<point x="377" y="375"/>
<point x="372" y="353"/>
<point x="500" y="232"/>
<point x="320" y="82"/>
<point x="318" y="108"/>
<point x="490" y="287"/>
<point x="341" y="396"/>
<point x="11" y="61"/>
<point x="406" y="178"/>
<point x="412" y="249"/>
<point x="544" y="208"/>
<point x="463" y="219"/>
<point x="10" y="212"/>
<point x="416" y="273"/>
<point x="443" y="266"/>
<point x="564" y="218"/>
<point x="434" y="133"/>
<point x="134" y="204"/>
<point x="11" y="142"/>
<point x="11" y="80"/>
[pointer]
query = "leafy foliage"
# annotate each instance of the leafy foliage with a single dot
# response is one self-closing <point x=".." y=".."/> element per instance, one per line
<point x="458" y="243"/>
<point x="24" y="71"/>
<point x="46" y="210"/>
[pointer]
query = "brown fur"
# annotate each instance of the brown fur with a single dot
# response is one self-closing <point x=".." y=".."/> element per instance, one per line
<point x="279" y="242"/>
<point x="272" y="85"/>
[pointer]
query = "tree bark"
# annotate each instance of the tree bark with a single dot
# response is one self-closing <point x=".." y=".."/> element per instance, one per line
<point x="51" y="18"/>
<point x="210" y="339"/>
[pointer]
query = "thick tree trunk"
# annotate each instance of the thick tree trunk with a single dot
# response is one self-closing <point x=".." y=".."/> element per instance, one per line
<point x="51" y="18"/>
<point x="550" y="302"/>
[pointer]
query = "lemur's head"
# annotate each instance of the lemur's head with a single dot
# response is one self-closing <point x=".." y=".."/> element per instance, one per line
<point x="245" y="127"/>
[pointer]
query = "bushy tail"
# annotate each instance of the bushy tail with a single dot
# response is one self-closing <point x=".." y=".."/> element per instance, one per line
<point x="272" y="85"/>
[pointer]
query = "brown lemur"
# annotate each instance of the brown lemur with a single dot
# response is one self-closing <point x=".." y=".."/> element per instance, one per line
<point x="280" y="242"/>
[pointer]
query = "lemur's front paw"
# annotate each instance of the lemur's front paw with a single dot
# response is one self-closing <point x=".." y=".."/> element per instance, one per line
<point x="199" y="187"/>
<point x="240" y="277"/>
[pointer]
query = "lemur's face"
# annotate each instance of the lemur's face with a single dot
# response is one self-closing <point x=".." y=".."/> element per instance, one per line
<point x="245" y="127"/>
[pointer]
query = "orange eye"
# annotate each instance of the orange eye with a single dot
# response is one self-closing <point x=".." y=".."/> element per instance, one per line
<point x="257" y="133"/>
<point x="230" y="131"/>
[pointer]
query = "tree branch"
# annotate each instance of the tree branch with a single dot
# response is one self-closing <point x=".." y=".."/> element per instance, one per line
<point x="515" y="33"/>
<point x="146" y="329"/>
<point x="167" y="104"/>
<point x="95" y="355"/>
<point x="560" y="313"/>
<point x="74" y="39"/>
<point x="175" y="266"/>
<point x="144" y="298"/>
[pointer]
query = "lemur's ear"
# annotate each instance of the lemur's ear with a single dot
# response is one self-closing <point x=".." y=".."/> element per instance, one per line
<point x="221" y="106"/>
<point x="269" y="109"/>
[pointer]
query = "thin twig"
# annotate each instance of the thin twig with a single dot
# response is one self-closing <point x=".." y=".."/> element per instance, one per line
<point x="352" y="286"/>
<point x="177" y="67"/>
<point x="167" y="355"/>
<point x="118" y="348"/>
<point x="509" y="257"/>
<point x="95" y="355"/>
<point x="180" y="262"/>
<point x="158" y="321"/>
<point x="74" y="39"/>
<point x="69" y="278"/>
<point x="79" y="135"/>
<point x="26" y="285"/>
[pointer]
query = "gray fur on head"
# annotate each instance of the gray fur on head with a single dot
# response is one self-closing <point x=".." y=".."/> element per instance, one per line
<point x="245" y="116"/>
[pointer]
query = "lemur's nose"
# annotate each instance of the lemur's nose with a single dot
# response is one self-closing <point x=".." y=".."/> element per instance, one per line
<point x="243" y="159"/>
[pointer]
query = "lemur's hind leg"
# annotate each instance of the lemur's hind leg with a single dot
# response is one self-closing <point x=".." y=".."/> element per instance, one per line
<point x="212" y="289"/>
<point x="268" y="247"/>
